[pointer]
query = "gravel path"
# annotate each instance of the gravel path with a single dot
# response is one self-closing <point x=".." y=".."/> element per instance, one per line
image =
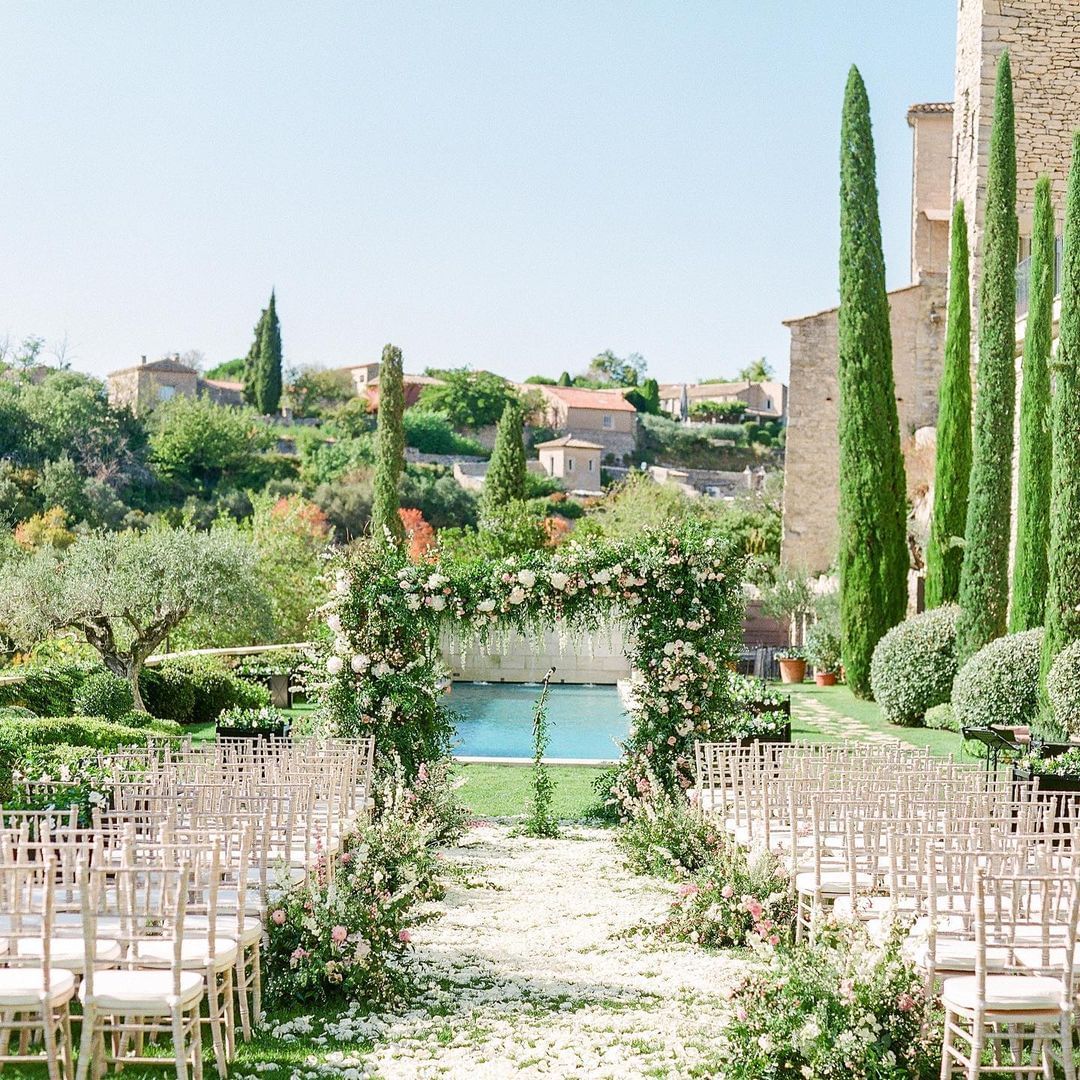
<point x="529" y="975"/>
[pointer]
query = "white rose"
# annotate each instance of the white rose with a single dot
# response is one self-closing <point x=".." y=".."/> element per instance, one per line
<point x="360" y="663"/>
<point x="342" y="584"/>
<point x="517" y="595"/>
<point x="602" y="577"/>
<point x="436" y="603"/>
<point x="334" y="664"/>
<point x="412" y="602"/>
<point x="527" y="578"/>
<point x="334" y="622"/>
<point x="486" y="606"/>
<point x="669" y="648"/>
<point x="342" y="647"/>
<point x="380" y="669"/>
<point x="558" y="580"/>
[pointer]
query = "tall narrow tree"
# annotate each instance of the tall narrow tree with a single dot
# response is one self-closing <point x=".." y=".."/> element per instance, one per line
<point x="984" y="577"/>
<point x="873" y="533"/>
<point x="505" y="479"/>
<point x="386" y="524"/>
<point x="251" y="362"/>
<point x="1063" y="593"/>
<point x="952" y="465"/>
<point x="268" y="385"/>
<point x="1030" y="568"/>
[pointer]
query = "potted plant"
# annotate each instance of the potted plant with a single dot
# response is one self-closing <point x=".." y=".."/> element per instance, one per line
<point x="264" y="723"/>
<point x="792" y="665"/>
<point x="760" y="715"/>
<point x="823" y="651"/>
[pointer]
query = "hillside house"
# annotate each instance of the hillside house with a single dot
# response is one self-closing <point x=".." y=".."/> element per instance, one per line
<point x="145" y="385"/>
<point x="573" y="461"/>
<point x="764" y="401"/>
<point x="601" y="416"/>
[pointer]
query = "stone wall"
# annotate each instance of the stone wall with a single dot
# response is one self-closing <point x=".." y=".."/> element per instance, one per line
<point x="812" y="472"/>
<point x="1043" y="39"/>
<point x="599" y="658"/>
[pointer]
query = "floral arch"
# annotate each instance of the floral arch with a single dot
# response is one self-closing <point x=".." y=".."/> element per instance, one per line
<point x="677" y="594"/>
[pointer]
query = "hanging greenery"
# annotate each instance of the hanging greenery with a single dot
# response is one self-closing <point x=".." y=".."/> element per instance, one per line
<point x="677" y="595"/>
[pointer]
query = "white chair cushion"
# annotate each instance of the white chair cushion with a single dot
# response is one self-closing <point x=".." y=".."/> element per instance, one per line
<point x="248" y="933"/>
<point x="194" y="952"/>
<point x="833" y="882"/>
<point x="25" y="986"/>
<point x="145" y="993"/>
<point x="1005" y="993"/>
<point x="70" y="952"/>
<point x="865" y="906"/>
<point x="952" y="954"/>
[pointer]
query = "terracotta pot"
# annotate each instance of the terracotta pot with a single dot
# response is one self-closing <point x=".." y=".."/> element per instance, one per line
<point x="792" y="671"/>
<point x="825" y="678"/>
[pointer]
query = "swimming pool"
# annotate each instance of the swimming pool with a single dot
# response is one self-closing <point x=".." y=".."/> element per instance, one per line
<point x="496" y="720"/>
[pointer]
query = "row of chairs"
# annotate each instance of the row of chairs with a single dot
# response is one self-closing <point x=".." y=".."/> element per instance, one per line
<point x="157" y="908"/>
<point x="983" y="869"/>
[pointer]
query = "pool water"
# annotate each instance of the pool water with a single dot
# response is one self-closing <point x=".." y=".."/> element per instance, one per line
<point x="496" y="720"/>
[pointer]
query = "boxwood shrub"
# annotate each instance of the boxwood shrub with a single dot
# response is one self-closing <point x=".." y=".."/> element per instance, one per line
<point x="914" y="665"/>
<point x="1000" y="683"/>
<point x="47" y="689"/>
<point x="168" y="693"/>
<point x="204" y="684"/>
<point x="1063" y="688"/>
<point x="104" y="694"/>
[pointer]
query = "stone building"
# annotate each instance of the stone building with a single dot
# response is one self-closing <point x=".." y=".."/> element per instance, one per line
<point x="602" y="416"/>
<point x="917" y="318"/>
<point x="573" y="461"/>
<point x="146" y="385"/>
<point x="763" y="400"/>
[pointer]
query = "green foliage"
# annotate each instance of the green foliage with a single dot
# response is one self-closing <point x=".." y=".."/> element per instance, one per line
<point x="1000" y="683"/>
<point x="326" y="461"/>
<point x="823" y="648"/>
<point x="251" y="368"/>
<point x="914" y="665"/>
<point x="707" y="446"/>
<point x="505" y="479"/>
<point x="540" y="822"/>
<point x="265" y="385"/>
<point x="646" y="398"/>
<point x="313" y="391"/>
<point x="470" y="399"/>
<point x="168" y="693"/>
<point x="347" y="507"/>
<point x="666" y="837"/>
<point x="607" y="369"/>
<point x="431" y="433"/>
<point x="942" y="718"/>
<point x="213" y="689"/>
<point x="230" y="370"/>
<point x="1063" y="594"/>
<point x="873" y="557"/>
<point x="721" y="412"/>
<point x="104" y="694"/>
<point x="839" y="1006"/>
<point x="1063" y="688"/>
<point x="386" y="525"/>
<point x="433" y="491"/>
<point x="515" y="528"/>
<point x="952" y="464"/>
<point x="200" y="446"/>
<point x="1030" y="563"/>
<point x="47" y="689"/>
<point x="758" y="371"/>
<point x="984" y="577"/>
<point x="125" y="592"/>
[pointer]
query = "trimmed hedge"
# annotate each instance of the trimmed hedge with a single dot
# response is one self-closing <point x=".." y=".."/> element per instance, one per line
<point x="942" y="718"/>
<point x="168" y="693"/>
<point x="197" y="690"/>
<point x="1000" y="683"/>
<point x="48" y="690"/>
<point x="914" y="665"/>
<point x="104" y="694"/>
<point x="1063" y="688"/>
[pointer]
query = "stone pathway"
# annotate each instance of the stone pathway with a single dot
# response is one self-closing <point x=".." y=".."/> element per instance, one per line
<point x="832" y="723"/>
<point x="528" y="974"/>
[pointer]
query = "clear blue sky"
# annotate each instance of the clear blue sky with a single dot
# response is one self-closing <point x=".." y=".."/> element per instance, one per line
<point x="513" y="185"/>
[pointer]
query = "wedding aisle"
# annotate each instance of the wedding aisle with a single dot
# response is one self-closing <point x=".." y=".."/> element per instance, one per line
<point x="531" y="970"/>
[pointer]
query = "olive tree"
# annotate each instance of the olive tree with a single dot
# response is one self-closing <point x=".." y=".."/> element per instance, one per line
<point x="125" y="592"/>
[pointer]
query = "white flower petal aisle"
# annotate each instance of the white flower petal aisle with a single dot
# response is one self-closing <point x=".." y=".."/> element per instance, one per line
<point x="528" y="974"/>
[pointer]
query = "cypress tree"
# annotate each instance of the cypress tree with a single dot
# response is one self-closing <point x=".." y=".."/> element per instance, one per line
<point x="984" y="577"/>
<point x="1033" y="503"/>
<point x="505" y="479"/>
<point x="952" y="465"/>
<point x="268" y="384"/>
<point x="386" y="524"/>
<point x="251" y="362"/>
<point x="1063" y="593"/>
<point x="873" y="510"/>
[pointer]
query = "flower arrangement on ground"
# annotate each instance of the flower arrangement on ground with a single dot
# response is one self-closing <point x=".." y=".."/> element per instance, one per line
<point x="840" y="1007"/>
<point x="677" y="593"/>
<point x="265" y="720"/>
<point x="738" y="899"/>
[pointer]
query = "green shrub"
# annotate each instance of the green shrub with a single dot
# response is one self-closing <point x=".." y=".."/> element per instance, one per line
<point x="1000" y="683"/>
<point x="104" y="694"/>
<point x="1063" y="688"/>
<point x="48" y="689"/>
<point x="942" y="718"/>
<point x="168" y="693"/>
<point x="914" y="665"/>
<point x="143" y="721"/>
<point x="215" y="688"/>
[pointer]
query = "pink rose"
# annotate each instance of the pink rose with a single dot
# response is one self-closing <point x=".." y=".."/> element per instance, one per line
<point x="278" y="917"/>
<point x="346" y="858"/>
<point x="687" y="890"/>
<point x="422" y="773"/>
<point x="404" y="936"/>
<point x="727" y="892"/>
<point x="338" y="935"/>
<point x="754" y="909"/>
<point x="740" y="1013"/>
<point x="774" y="940"/>
<point x="905" y="1003"/>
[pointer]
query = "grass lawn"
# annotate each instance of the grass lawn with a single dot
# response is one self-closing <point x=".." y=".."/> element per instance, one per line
<point x="503" y="790"/>
<point x="842" y="700"/>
